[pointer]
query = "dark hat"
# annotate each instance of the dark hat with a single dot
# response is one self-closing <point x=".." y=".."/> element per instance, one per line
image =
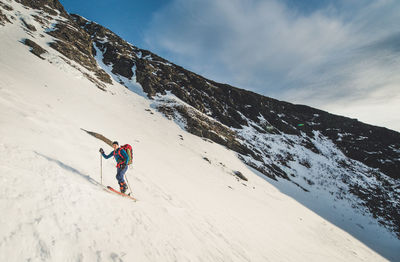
<point x="115" y="143"/>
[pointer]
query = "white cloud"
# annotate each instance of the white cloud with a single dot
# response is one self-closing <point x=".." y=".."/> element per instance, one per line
<point x="343" y="53"/>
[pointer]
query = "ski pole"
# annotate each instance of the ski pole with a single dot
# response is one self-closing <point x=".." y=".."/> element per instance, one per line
<point x="126" y="177"/>
<point x="101" y="169"/>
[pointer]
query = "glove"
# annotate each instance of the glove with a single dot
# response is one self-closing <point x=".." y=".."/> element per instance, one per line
<point x="101" y="150"/>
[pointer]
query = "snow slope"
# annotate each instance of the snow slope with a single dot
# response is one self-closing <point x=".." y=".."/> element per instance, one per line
<point x="55" y="209"/>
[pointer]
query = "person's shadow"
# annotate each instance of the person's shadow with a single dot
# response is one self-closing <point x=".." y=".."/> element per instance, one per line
<point x="69" y="168"/>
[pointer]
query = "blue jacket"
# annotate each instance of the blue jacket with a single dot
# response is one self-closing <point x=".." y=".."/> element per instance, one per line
<point x="117" y="156"/>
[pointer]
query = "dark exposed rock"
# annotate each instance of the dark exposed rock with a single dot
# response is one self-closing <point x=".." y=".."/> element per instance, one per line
<point x="40" y="19"/>
<point x="116" y="51"/>
<point x="309" y="182"/>
<point x="6" y="6"/>
<point x="307" y="143"/>
<point x="28" y="26"/>
<point x="49" y="6"/>
<point x="305" y="163"/>
<point x="240" y="175"/>
<point x="71" y="41"/>
<point x="35" y="48"/>
<point x="206" y="159"/>
<point x="374" y="199"/>
<point x="3" y="18"/>
<point x="202" y="126"/>
<point x="76" y="44"/>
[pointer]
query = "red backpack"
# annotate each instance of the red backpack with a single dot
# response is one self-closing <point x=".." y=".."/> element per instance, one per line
<point x="128" y="150"/>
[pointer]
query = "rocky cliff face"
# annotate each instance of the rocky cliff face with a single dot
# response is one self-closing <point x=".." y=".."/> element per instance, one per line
<point x="234" y="107"/>
<point x="52" y="7"/>
<point x="320" y="153"/>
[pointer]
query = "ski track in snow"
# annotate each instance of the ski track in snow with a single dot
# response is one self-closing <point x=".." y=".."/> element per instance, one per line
<point x="54" y="208"/>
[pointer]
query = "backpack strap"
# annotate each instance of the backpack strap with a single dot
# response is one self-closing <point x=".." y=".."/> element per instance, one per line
<point x="119" y="153"/>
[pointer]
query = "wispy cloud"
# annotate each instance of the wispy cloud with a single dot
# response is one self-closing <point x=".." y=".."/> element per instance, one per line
<point x="342" y="56"/>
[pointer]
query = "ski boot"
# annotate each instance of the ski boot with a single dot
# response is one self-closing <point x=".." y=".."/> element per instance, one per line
<point x="123" y="187"/>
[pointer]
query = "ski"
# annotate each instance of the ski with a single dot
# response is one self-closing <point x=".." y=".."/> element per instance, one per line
<point x="121" y="194"/>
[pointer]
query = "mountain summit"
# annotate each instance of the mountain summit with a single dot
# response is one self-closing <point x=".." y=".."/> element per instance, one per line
<point x="207" y="147"/>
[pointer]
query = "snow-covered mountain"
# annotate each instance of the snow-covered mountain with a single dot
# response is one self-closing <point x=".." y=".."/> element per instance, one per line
<point x="235" y="176"/>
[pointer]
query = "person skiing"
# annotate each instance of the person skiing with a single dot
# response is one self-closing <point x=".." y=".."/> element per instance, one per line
<point x="122" y="159"/>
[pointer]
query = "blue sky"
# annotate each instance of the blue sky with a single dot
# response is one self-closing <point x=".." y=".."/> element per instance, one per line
<point x="342" y="56"/>
<point x="127" y="18"/>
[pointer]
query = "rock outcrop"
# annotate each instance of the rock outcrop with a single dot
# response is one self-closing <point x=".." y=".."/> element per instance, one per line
<point x="35" y="48"/>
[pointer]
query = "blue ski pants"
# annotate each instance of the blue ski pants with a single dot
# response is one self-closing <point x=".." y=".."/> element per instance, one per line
<point x="120" y="174"/>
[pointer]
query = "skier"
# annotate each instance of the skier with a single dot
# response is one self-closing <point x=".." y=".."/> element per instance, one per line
<point x="122" y="159"/>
